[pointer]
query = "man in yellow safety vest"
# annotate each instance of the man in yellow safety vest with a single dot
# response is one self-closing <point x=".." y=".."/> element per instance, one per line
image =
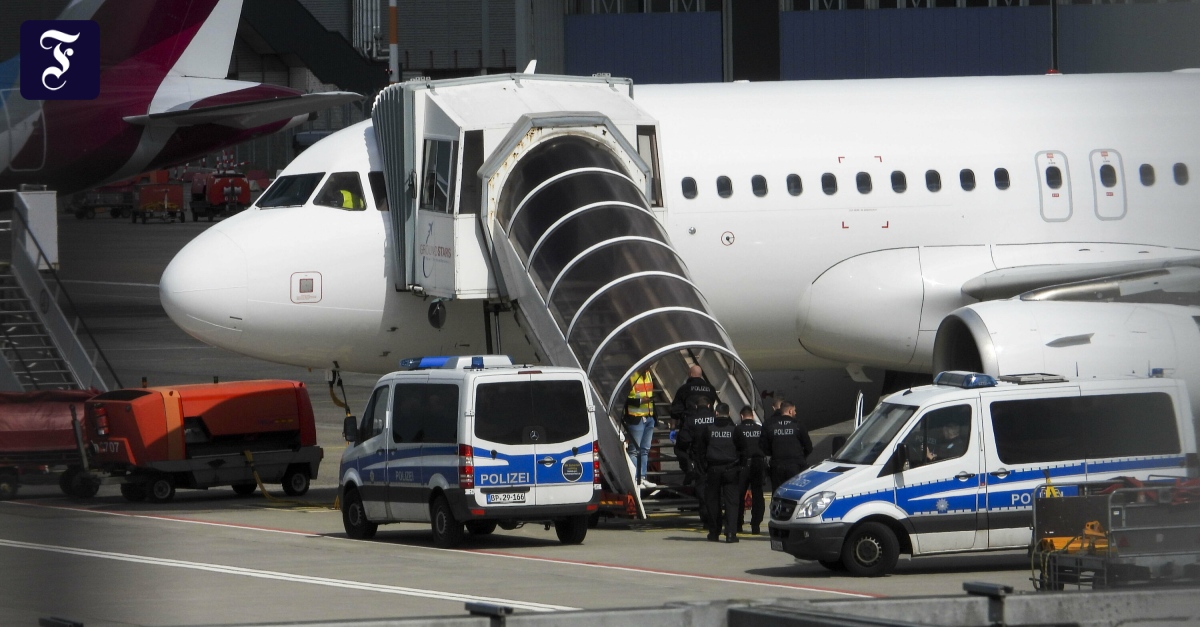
<point x="639" y="419"/>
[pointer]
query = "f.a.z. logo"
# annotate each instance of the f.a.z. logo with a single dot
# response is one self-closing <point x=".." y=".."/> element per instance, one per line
<point x="60" y="60"/>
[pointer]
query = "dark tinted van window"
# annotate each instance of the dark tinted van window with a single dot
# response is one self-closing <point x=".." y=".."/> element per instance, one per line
<point x="503" y="411"/>
<point x="425" y="412"/>
<point x="1089" y="427"/>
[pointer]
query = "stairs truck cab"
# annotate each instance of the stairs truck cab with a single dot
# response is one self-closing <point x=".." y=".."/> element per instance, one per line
<point x="154" y="440"/>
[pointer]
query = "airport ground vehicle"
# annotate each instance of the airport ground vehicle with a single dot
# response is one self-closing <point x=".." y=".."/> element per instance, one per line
<point x="952" y="467"/>
<point x="164" y="201"/>
<point x="473" y="442"/>
<point x="220" y="192"/>
<point x="153" y="440"/>
<point x="37" y="439"/>
<point x="1116" y="533"/>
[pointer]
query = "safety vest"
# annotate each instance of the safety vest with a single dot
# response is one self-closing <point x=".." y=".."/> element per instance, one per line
<point x="640" y="392"/>
<point x="351" y="200"/>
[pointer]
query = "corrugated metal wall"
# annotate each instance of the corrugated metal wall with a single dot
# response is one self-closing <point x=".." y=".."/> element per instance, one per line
<point x="334" y="15"/>
<point x="647" y="47"/>
<point x="448" y="34"/>
<point x="914" y="42"/>
<point x="1129" y="37"/>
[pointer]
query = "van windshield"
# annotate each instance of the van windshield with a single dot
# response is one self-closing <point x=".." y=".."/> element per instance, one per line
<point x="877" y="431"/>
<point x="503" y="411"/>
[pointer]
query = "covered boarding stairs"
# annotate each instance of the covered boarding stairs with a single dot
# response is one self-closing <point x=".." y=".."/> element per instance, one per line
<point x="546" y="190"/>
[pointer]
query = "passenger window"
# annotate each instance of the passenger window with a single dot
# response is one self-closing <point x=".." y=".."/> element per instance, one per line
<point x="795" y="185"/>
<point x="290" y="191"/>
<point x="1030" y="431"/>
<point x="1181" y="174"/>
<point x="933" y="181"/>
<point x="863" y="181"/>
<point x="966" y="178"/>
<point x="425" y="412"/>
<point x="1108" y="175"/>
<point x="899" y="182"/>
<point x="724" y="187"/>
<point x="343" y="190"/>
<point x="1054" y="178"/>
<point x="438" y="175"/>
<point x="374" y="417"/>
<point x="758" y="185"/>
<point x="689" y="187"/>
<point x="941" y="434"/>
<point x="1128" y="425"/>
<point x="829" y="184"/>
<point x="1147" y="174"/>
<point x="378" y="190"/>
<point x="1002" y="180"/>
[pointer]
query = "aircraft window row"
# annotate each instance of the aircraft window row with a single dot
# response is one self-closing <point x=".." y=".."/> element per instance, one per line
<point x="862" y="181"/>
<point x="1179" y="171"/>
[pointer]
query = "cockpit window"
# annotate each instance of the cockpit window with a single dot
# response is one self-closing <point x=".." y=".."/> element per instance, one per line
<point x="343" y="190"/>
<point x="290" y="191"/>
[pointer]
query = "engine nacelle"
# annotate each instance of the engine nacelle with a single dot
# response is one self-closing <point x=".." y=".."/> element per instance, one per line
<point x="1074" y="339"/>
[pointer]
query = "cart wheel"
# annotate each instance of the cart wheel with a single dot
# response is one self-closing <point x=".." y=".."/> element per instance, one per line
<point x="481" y="527"/>
<point x="75" y="483"/>
<point x="871" y="550"/>
<point x="447" y="532"/>
<point x="145" y="215"/>
<point x="354" y="517"/>
<point x="572" y="529"/>
<point x="295" y="481"/>
<point x="161" y="489"/>
<point x="91" y="213"/>
<point x="115" y="213"/>
<point x="134" y="492"/>
<point x="245" y="489"/>
<point x="79" y="214"/>
<point x="9" y="482"/>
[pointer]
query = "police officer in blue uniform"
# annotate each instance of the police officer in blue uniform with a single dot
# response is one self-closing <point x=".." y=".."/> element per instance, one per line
<point x="746" y="437"/>
<point x="724" y="466"/>
<point x="786" y="442"/>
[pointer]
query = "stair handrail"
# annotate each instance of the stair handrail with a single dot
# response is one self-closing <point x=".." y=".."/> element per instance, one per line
<point x="57" y="282"/>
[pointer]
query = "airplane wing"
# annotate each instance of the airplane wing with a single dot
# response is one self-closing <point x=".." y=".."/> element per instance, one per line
<point x="245" y="115"/>
<point x="1072" y="281"/>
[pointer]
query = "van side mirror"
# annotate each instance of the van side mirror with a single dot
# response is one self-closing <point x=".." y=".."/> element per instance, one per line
<point x="900" y="459"/>
<point x="837" y="443"/>
<point x="350" y="429"/>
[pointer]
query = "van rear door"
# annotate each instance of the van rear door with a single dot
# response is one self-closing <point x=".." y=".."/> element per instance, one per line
<point x="505" y="434"/>
<point x="564" y="455"/>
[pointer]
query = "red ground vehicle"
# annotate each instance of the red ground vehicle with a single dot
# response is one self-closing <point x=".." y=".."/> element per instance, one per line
<point x="37" y="438"/>
<point x="159" y="200"/>
<point x="223" y="192"/>
<point x="153" y="440"/>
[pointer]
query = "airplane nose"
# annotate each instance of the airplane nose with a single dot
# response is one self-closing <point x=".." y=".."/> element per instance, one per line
<point x="203" y="289"/>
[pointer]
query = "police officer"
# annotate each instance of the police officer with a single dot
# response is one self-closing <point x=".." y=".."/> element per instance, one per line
<point x="693" y="389"/>
<point x="787" y="443"/>
<point x="746" y="437"/>
<point x="725" y="466"/>
<point x="773" y="413"/>
<point x="696" y="421"/>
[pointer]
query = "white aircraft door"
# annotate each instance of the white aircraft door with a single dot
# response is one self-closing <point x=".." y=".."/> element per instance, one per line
<point x="1054" y="182"/>
<point x="1108" y="184"/>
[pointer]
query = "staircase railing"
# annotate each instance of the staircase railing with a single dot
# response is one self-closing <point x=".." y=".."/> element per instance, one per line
<point x="62" y="333"/>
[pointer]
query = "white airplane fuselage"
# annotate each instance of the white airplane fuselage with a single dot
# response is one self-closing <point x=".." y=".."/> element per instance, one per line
<point x="805" y="280"/>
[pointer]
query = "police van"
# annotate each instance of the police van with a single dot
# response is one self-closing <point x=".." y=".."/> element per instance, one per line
<point x="951" y="467"/>
<point x="469" y="443"/>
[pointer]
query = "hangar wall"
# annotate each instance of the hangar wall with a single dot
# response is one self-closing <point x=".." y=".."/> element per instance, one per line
<point x="647" y="47"/>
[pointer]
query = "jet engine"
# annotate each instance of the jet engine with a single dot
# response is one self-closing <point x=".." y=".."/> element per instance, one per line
<point x="1075" y="339"/>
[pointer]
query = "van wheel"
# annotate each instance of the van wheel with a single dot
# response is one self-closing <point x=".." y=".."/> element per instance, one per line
<point x="871" y="550"/>
<point x="161" y="489"/>
<point x="295" y="482"/>
<point x="447" y="532"/>
<point x="9" y="482"/>
<point x="572" y="529"/>
<point x="480" y="527"/>
<point x="835" y="565"/>
<point x="134" y="492"/>
<point x="244" y="489"/>
<point x="354" y="517"/>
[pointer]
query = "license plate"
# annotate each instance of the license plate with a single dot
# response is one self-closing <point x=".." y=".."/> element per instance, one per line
<point x="776" y="545"/>
<point x="506" y="497"/>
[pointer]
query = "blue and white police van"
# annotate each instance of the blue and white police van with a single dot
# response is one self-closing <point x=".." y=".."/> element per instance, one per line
<point x="469" y="443"/>
<point x="952" y="467"/>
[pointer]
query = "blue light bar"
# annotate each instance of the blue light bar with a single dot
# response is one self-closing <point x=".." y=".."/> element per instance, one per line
<point x="423" y="363"/>
<point x="965" y="380"/>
